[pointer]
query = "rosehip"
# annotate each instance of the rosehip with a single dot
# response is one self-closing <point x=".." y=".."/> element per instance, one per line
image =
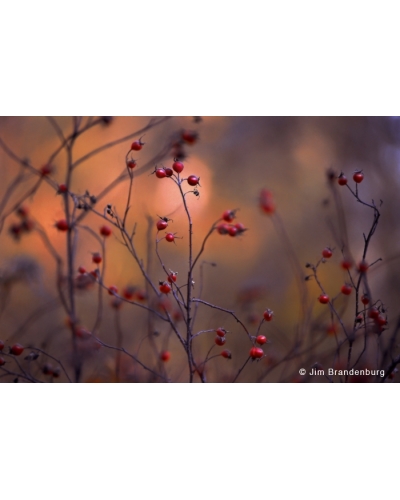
<point x="323" y="298"/>
<point x="232" y="231"/>
<point x="220" y="340"/>
<point x="2" y="361"/>
<point x="228" y="215"/>
<point x="105" y="231"/>
<point x="170" y="237"/>
<point x="131" y="164"/>
<point x="261" y="339"/>
<point x="165" y="287"/>
<point x="96" y="258"/>
<point x="160" y="173"/>
<point x="62" y="225"/>
<point x="221" y="332"/>
<point x="178" y="166"/>
<point x="381" y="320"/>
<point x="81" y="270"/>
<point x="365" y="299"/>
<point x="342" y="180"/>
<point x="256" y="352"/>
<point x="165" y="356"/>
<point x="268" y="315"/>
<point x="226" y="354"/>
<point x="189" y="136"/>
<point x="346" y="289"/>
<point x="267" y="204"/>
<point x="141" y="295"/>
<point x="346" y="264"/>
<point x="193" y="180"/>
<point x="112" y="290"/>
<point x="161" y="224"/>
<point x="363" y="266"/>
<point x="129" y="292"/>
<point x="22" y="212"/>
<point x="16" y="349"/>
<point x="172" y="277"/>
<point x="168" y="172"/>
<point x="46" y="170"/>
<point x="137" y="145"/>
<point x="358" y="176"/>
<point x="62" y="188"/>
<point x="373" y="313"/>
<point x="223" y="228"/>
<point x="1" y="345"/>
<point x="327" y="253"/>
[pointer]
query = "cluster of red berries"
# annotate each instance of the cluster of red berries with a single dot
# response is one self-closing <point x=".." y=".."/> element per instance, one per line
<point x="220" y="338"/>
<point x="26" y="225"/>
<point x="227" y="228"/>
<point x="358" y="177"/>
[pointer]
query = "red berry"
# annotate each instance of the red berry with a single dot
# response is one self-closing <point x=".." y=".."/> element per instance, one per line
<point x="16" y="349"/>
<point x="223" y="228"/>
<point x="221" y="332"/>
<point x="22" y="212"/>
<point x="112" y="290"/>
<point x="62" y="188"/>
<point x="363" y="266"/>
<point x="15" y="230"/>
<point x="178" y="166"/>
<point x="141" y="295"/>
<point x="137" y="145"/>
<point x="27" y="225"/>
<point x="47" y="369"/>
<point x="172" y="277"/>
<point x="268" y="315"/>
<point x="193" y="180"/>
<point x="346" y="264"/>
<point x="189" y="136"/>
<point x="232" y="231"/>
<point x="1" y="345"/>
<point x="96" y="258"/>
<point x="170" y="237"/>
<point x="358" y="176"/>
<point x="105" y="231"/>
<point x="131" y="164"/>
<point x="327" y="253"/>
<point x="128" y="292"/>
<point x="62" y="225"/>
<point x="168" y="172"/>
<point x="342" y="180"/>
<point x="228" y="215"/>
<point x="2" y="361"/>
<point x="240" y="228"/>
<point x="261" y="339"/>
<point x="165" y="356"/>
<point x="373" y="313"/>
<point x="256" y="352"/>
<point x="381" y="320"/>
<point x="226" y="354"/>
<point x="267" y="204"/>
<point x="165" y="287"/>
<point x="81" y="270"/>
<point x="365" y="299"/>
<point x="323" y="298"/>
<point x="162" y="224"/>
<point x="46" y="170"/>
<point x="346" y="289"/>
<point x="160" y="173"/>
<point x="220" y="340"/>
<point x="332" y="329"/>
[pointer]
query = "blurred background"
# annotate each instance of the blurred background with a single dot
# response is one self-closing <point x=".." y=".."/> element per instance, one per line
<point x="235" y="157"/>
